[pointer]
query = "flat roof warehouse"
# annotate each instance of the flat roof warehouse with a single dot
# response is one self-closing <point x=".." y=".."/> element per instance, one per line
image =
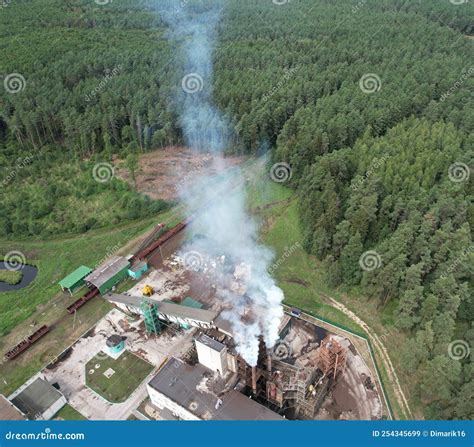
<point x="183" y="384"/>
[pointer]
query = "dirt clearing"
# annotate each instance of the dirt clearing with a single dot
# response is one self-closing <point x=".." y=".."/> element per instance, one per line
<point x="161" y="173"/>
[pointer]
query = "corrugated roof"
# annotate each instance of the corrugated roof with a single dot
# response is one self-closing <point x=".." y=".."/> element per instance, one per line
<point x="175" y="380"/>
<point x="188" y="301"/>
<point x="107" y="270"/>
<point x="36" y="398"/>
<point x="78" y="274"/>
<point x="206" y="316"/>
<point x="172" y="309"/>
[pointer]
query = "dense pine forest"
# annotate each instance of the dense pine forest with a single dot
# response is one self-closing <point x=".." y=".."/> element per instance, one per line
<point x="369" y="102"/>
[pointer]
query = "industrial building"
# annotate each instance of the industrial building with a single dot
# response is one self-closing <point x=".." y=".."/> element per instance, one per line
<point x="292" y="380"/>
<point x="38" y="399"/>
<point x="75" y="280"/>
<point x="184" y="315"/>
<point x="181" y="388"/>
<point x="108" y="274"/>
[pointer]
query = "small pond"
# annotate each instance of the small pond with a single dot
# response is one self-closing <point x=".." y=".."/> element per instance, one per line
<point x="29" y="274"/>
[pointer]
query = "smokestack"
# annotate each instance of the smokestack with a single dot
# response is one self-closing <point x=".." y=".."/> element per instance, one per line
<point x="269" y="361"/>
<point x="254" y="379"/>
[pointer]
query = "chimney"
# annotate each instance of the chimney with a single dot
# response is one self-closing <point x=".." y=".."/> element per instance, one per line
<point x="269" y="361"/>
<point x="254" y="379"/>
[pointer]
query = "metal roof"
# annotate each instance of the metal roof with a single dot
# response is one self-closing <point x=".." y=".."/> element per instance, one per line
<point x="36" y="398"/>
<point x="172" y="309"/>
<point x="191" y="313"/>
<point x="210" y="342"/>
<point x="78" y="274"/>
<point x="180" y="383"/>
<point x="107" y="270"/>
<point x="138" y="266"/>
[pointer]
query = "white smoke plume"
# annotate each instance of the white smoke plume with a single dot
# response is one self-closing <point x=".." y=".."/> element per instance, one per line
<point x="223" y="225"/>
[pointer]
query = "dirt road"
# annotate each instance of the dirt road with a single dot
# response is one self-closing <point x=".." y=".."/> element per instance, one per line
<point x="379" y="346"/>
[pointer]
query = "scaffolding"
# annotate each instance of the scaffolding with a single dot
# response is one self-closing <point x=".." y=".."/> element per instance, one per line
<point x="331" y="357"/>
<point x="150" y="317"/>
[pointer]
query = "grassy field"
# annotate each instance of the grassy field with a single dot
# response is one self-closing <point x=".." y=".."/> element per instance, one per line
<point x="10" y="277"/>
<point x="69" y="413"/>
<point x="130" y="371"/>
<point x="297" y="273"/>
<point x="42" y="302"/>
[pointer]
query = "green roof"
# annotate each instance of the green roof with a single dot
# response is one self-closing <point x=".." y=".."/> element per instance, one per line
<point x="188" y="301"/>
<point x="74" y="277"/>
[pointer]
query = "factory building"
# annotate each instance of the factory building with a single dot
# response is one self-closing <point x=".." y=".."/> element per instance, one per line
<point x="38" y="399"/>
<point x="108" y="274"/>
<point x="185" y="316"/>
<point x="211" y="353"/>
<point x="137" y="270"/>
<point x="181" y="388"/>
<point x="75" y="280"/>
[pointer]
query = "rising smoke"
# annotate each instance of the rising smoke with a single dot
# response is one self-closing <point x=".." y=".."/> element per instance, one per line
<point x="222" y="223"/>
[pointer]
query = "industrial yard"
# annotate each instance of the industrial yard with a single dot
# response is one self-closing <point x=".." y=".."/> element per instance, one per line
<point x="173" y="321"/>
